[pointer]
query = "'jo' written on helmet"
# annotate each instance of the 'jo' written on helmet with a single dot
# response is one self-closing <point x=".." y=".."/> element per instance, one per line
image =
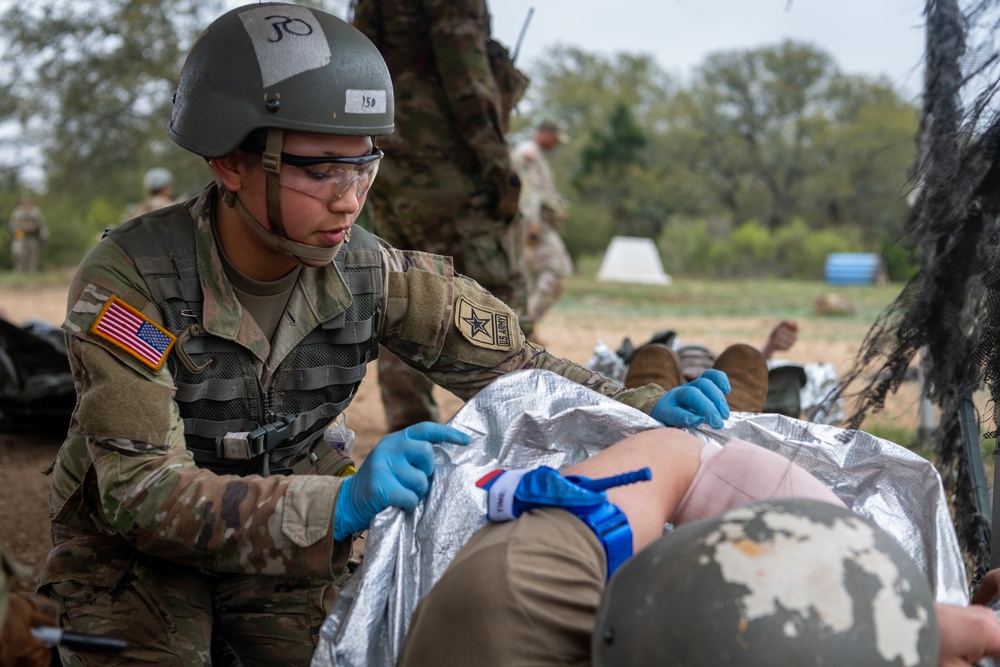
<point x="283" y="66"/>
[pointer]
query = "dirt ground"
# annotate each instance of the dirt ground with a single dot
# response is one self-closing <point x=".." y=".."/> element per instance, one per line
<point x="24" y="529"/>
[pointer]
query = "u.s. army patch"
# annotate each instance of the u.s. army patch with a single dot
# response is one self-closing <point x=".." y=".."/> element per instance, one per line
<point x="483" y="327"/>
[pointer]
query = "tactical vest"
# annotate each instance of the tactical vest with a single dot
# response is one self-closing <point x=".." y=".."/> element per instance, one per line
<point x="218" y="391"/>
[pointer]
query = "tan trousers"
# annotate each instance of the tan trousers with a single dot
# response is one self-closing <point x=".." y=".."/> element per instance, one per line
<point x="526" y="591"/>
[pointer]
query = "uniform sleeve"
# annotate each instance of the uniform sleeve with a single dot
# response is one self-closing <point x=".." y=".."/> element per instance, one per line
<point x="524" y="161"/>
<point x="128" y="433"/>
<point x="540" y="200"/>
<point x="458" y="33"/>
<point x="463" y="338"/>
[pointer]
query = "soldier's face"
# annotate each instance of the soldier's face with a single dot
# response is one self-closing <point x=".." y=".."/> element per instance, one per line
<point x="320" y="214"/>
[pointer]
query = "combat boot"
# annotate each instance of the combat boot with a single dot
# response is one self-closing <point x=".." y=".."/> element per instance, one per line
<point x="747" y="371"/>
<point x="654" y="363"/>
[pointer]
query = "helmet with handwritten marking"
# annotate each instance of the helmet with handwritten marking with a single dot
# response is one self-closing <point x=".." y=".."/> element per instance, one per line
<point x="777" y="582"/>
<point x="279" y="65"/>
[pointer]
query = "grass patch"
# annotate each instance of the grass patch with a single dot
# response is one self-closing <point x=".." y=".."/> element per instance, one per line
<point x="43" y="279"/>
<point x="723" y="298"/>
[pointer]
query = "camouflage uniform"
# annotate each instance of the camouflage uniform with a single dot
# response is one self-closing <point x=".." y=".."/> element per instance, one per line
<point x="446" y="185"/>
<point x="547" y="262"/>
<point x="27" y="233"/>
<point x="165" y="527"/>
<point x="151" y="203"/>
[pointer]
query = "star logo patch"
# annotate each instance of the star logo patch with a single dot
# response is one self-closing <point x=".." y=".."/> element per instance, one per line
<point x="483" y="327"/>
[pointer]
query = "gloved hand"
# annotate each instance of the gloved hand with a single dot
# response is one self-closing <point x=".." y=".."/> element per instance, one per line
<point x="692" y="404"/>
<point x="17" y="645"/>
<point x="396" y="473"/>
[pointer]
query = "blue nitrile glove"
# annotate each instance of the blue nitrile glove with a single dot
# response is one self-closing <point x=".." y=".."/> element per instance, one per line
<point x="396" y="473"/>
<point x="692" y="404"/>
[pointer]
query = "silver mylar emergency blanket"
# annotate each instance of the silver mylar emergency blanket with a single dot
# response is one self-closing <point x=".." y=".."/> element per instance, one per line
<point x="533" y="418"/>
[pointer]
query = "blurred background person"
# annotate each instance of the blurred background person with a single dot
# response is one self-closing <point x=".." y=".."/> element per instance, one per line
<point x="158" y="184"/>
<point x="446" y="185"/>
<point x="27" y="234"/>
<point x="546" y="261"/>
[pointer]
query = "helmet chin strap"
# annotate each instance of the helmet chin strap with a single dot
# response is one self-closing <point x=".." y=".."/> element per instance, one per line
<point x="306" y="255"/>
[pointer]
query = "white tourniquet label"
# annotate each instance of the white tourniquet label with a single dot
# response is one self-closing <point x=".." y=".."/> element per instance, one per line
<point x="499" y="505"/>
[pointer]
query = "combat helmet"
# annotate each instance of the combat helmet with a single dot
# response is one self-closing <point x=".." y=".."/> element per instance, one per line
<point x="156" y="179"/>
<point x="282" y="67"/>
<point x="777" y="582"/>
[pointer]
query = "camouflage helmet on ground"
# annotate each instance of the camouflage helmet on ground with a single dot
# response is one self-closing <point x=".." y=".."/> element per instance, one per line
<point x="282" y="66"/>
<point x="778" y="582"/>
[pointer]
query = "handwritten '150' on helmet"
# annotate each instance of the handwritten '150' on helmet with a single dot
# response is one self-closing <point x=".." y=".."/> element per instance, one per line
<point x="282" y="66"/>
<point x="779" y="582"/>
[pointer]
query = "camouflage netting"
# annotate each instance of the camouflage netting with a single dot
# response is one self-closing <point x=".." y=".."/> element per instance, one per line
<point x="950" y="311"/>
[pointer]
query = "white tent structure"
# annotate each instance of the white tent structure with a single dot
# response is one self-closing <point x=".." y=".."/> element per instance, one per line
<point x="632" y="259"/>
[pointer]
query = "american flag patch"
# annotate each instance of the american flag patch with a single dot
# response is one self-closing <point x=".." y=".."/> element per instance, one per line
<point x="127" y="328"/>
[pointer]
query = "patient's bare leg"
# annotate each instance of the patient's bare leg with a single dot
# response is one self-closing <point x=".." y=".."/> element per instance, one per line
<point x="692" y="480"/>
<point x="672" y="455"/>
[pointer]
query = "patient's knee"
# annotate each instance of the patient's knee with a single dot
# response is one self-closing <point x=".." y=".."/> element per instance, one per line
<point x="740" y="473"/>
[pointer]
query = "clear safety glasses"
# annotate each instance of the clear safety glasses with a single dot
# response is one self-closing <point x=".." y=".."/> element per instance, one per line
<point x="326" y="177"/>
<point x="329" y="178"/>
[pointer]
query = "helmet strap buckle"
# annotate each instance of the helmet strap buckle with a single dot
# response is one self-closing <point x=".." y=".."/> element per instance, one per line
<point x="271" y="163"/>
<point x="271" y="158"/>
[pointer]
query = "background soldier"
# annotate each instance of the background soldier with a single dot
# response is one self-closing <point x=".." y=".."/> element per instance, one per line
<point x="446" y="185"/>
<point x="547" y="262"/>
<point x="27" y="233"/>
<point x="158" y="184"/>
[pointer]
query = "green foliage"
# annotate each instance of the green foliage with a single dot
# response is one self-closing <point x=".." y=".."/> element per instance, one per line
<point x="615" y="146"/>
<point x="801" y="252"/>
<point x="686" y="246"/>
<point x="693" y="247"/>
<point x="775" y="138"/>
<point x="93" y="89"/>
<point x="588" y="229"/>
<point x="901" y="263"/>
<point x="765" y="162"/>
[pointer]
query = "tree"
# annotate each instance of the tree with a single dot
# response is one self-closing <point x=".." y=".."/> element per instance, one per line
<point x="93" y="85"/>
<point x="759" y="113"/>
<point x="611" y="106"/>
<point x="768" y="135"/>
<point x="779" y="131"/>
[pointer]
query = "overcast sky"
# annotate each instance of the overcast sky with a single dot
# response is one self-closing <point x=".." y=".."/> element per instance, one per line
<point x="873" y="37"/>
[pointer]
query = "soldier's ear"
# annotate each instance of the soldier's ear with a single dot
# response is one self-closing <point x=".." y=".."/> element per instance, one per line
<point x="232" y="170"/>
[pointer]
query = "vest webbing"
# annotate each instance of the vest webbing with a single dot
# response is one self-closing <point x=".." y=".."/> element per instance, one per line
<point x="310" y="387"/>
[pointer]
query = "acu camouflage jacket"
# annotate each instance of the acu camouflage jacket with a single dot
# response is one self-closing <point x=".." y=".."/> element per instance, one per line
<point x="137" y="465"/>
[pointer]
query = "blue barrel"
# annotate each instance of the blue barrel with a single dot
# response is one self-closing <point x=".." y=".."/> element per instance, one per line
<point x="855" y="268"/>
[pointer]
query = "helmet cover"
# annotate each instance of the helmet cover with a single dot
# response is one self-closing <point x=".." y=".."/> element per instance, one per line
<point x="777" y="582"/>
